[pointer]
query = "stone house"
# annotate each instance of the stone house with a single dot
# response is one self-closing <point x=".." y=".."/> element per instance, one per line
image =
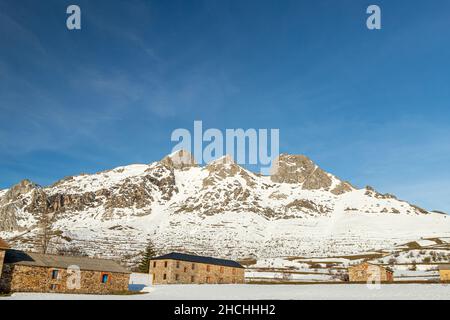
<point x="3" y="247"/>
<point x="444" y="272"/>
<point x="179" y="268"/>
<point x="366" y="271"/>
<point x="35" y="272"/>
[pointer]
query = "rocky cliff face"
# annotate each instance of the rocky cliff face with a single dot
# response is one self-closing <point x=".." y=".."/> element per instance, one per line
<point x="221" y="209"/>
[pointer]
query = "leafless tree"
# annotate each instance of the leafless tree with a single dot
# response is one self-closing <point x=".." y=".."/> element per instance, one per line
<point x="73" y="251"/>
<point x="45" y="234"/>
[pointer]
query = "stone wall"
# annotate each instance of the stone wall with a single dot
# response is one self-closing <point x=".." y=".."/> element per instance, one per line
<point x="17" y="278"/>
<point x="364" y="272"/>
<point x="183" y="272"/>
<point x="2" y="257"/>
<point x="445" y="275"/>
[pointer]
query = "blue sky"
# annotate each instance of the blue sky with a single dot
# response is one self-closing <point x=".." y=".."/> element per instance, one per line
<point x="369" y="106"/>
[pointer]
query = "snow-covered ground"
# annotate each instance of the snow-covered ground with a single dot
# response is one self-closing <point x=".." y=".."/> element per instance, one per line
<point x="258" y="292"/>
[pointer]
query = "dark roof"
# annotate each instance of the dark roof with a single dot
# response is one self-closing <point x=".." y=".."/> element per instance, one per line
<point x="53" y="261"/>
<point x="198" y="259"/>
<point x="444" y="267"/>
<point x="3" y="244"/>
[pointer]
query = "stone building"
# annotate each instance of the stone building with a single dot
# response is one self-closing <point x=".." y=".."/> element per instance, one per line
<point x="179" y="268"/>
<point x="366" y="271"/>
<point x="34" y="272"/>
<point x="444" y="272"/>
<point x="3" y="247"/>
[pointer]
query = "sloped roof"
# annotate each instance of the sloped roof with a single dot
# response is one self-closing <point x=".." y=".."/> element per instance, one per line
<point x="54" y="261"/>
<point x="444" y="267"/>
<point x="3" y="244"/>
<point x="198" y="259"/>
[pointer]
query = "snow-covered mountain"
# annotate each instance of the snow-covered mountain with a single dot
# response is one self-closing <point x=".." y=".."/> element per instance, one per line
<point x="219" y="209"/>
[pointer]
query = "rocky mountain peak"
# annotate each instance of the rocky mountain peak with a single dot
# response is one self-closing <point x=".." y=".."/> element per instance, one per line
<point x="23" y="187"/>
<point x="292" y="169"/>
<point x="300" y="169"/>
<point x="180" y="159"/>
<point x="225" y="167"/>
<point x="226" y="159"/>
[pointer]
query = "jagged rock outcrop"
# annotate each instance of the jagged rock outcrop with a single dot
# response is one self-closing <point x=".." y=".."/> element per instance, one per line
<point x="342" y="188"/>
<point x="307" y="206"/>
<point x="20" y="189"/>
<point x="223" y="168"/>
<point x="292" y="169"/>
<point x="300" y="169"/>
<point x="14" y="200"/>
<point x="180" y="159"/>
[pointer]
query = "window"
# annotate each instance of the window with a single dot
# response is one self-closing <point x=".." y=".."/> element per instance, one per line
<point x="177" y="277"/>
<point x="221" y="269"/>
<point x="185" y="269"/>
<point x="165" y="264"/>
<point x="208" y="268"/>
<point x="164" y="276"/>
<point x="192" y="278"/>
<point x="193" y="266"/>
<point x="154" y="264"/>
<point x="105" y="278"/>
<point x="55" y="274"/>
<point x="178" y="264"/>
<point x="53" y="287"/>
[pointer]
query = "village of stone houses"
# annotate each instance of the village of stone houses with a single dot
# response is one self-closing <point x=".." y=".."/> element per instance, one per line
<point x="175" y="230"/>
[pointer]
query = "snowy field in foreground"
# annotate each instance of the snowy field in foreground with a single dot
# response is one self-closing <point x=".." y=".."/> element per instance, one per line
<point x="248" y="292"/>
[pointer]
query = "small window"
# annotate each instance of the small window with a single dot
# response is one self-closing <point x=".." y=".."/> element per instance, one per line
<point x="193" y="266"/>
<point x="192" y="278"/>
<point x="185" y="269"/>
<point x="55" y="274"/>
<point x="177" y="277"/>
<point x="165" y="264"/>
<point x="164" y="276"/>
<point x="178" y="264"/>
<point x="154" y="264"/>
<point x="208" y="268"/>
<point x="105" y="278"/>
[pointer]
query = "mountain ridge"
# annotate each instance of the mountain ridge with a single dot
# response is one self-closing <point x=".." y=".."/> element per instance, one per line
<point x="220" y="208"/>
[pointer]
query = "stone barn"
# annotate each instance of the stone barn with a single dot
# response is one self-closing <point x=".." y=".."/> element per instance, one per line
<point x="444" y="272"/>
<point x="365" y="272"/>
<point x="179" y="268"/>
<point x="35" y="272"/>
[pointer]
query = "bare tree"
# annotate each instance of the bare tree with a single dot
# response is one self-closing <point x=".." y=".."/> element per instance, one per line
<point x="45" y="234"/>
<point x="73" y="251"/>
